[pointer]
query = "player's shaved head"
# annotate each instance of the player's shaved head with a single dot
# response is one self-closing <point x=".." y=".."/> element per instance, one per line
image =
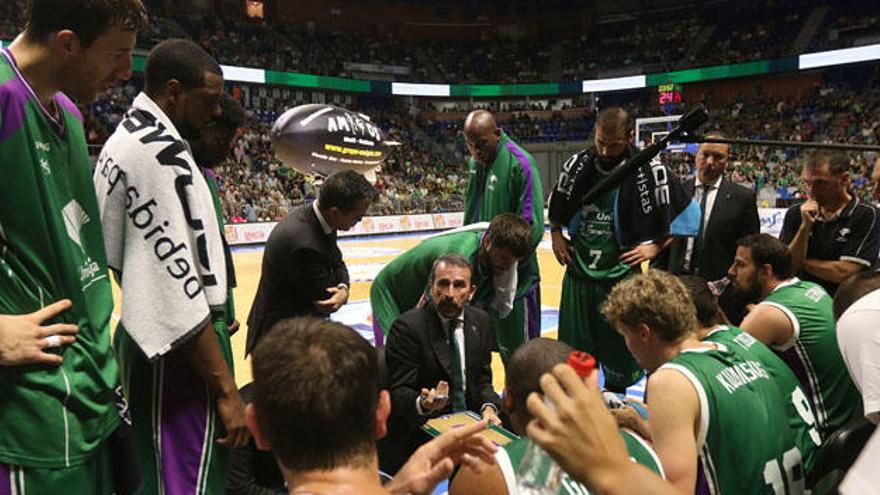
<point x="480" y="120"/>
<point x="481" y="135"/>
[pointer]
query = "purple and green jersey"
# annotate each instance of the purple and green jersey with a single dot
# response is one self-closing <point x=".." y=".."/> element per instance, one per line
<point x="511" y="184"/>
<point x="740" y="403"/>
<point x="813" y="354"/>
<point x="51" y="248"/>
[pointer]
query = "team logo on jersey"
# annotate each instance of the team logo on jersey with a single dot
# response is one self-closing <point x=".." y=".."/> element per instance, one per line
<point x="814" y="294"/>
<point x="74" y="219"/>
<point x="843" y="234"/>
<point x="588" y="209"/>
<point x="492" y="180"/>
<point x="43" y="147"/>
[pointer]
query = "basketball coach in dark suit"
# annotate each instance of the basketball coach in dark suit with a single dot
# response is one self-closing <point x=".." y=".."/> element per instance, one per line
<point x="303" y="272"/>
<point x="439" y="361"/>
<point x="729" y="211"/>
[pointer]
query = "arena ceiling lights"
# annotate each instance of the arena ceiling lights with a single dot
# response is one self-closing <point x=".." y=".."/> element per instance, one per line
<point x="839" y="57"/>
<point x="615" y="84"/>
<point x="243" y="74"/>
<point x="410" y="89"/>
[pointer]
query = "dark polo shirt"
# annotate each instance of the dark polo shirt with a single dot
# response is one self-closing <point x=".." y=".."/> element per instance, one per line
<point x="853" y="236"/>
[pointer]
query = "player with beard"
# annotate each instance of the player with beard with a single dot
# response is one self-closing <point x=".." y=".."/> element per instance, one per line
<point x="795" y="319"/>
<point x="801" y="417"/>
<point x="439" y="359"/>
<point x="212" y="147"/>
<point x="594" y="262"/>
<point x="165" y="246"/>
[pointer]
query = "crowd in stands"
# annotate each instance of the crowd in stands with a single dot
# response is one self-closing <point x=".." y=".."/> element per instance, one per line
<point x="417" y="178"/>
<point x="827" y="114"/>
<point x="847" y="23"/>
<point x="650" y="42"/>
<point x="744" y="31"/>
<point x="643" y="46"/>
<point x="11" y="18"/>
<point x="427" y="172"/>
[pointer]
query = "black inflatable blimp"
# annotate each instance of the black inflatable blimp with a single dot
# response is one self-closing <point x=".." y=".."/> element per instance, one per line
<point x="325" y="139"/>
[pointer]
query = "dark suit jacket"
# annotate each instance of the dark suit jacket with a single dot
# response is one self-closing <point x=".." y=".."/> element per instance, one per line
<point x="418" y="355"/>
<point x="734" y="215"/>
<point x="299" y="263"/>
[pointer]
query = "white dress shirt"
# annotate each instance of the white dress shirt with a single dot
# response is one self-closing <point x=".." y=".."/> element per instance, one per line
<point x="459" y="339"/>
<point x="710" y="203"/>
<point x="324" y="225"/>
<point x="505" y="291"/>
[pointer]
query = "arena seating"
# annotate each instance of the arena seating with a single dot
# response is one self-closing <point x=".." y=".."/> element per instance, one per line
<point x="417" y="179"/>
<point x="650" y="42"/>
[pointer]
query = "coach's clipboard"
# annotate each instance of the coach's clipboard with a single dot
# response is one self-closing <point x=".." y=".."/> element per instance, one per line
<point x="496" y="434"/>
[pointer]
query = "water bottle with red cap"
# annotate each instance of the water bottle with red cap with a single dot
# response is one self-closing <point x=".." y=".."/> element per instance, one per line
<point x="538" y="473"/>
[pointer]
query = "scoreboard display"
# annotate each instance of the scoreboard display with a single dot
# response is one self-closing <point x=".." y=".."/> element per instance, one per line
<point x="669" y="94"/>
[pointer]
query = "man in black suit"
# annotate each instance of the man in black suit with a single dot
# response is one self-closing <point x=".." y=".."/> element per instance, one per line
<point x="303" y="272"/>
<point x="729" y="212"/>
<point x="439" y="360"/>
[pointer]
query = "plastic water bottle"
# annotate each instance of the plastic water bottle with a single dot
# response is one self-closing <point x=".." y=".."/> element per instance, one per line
<point x="538" y="473"/>
<point x="717" y="287"/>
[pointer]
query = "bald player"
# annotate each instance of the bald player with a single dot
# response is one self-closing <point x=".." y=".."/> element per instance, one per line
<point x="503" y="178"/>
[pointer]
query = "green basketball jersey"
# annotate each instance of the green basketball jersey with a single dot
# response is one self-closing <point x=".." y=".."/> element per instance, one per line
<point x="229" y="317"/>
<point x="813" y="354"/>
<point x="801" y="417"/>
<point x="593" y="237"/>
<point x="51" y="247"/>
<point x="744" y="443"/>
<point x="510" y="456"/>
<point x="399" y="285"/>
<point x="511" y="184"/>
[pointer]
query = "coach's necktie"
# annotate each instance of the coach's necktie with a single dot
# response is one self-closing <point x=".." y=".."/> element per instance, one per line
<point x="698" y="242"/>
<point x="458" y="400"/>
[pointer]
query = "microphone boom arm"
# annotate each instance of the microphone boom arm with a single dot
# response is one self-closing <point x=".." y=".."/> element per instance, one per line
<point x="686" y="124"/>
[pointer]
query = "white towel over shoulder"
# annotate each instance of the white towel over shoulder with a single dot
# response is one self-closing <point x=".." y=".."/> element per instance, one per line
<point x="161" y="231"/>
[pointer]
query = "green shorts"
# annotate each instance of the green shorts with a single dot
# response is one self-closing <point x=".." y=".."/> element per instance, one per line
<point x="95" y="476"/>
<point x="176" y="423"/>
<point x="521" y="325"/>
<point x="582" y="326"/>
